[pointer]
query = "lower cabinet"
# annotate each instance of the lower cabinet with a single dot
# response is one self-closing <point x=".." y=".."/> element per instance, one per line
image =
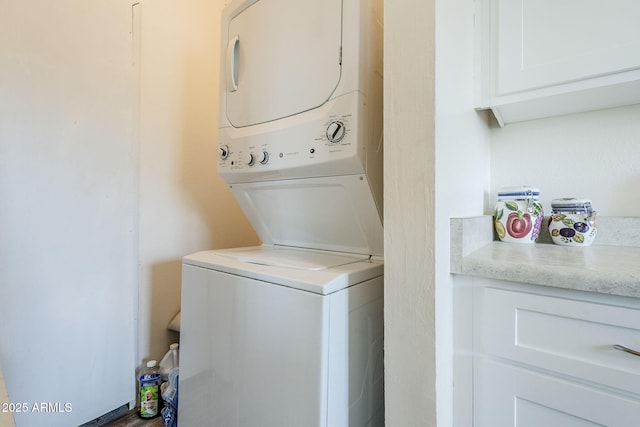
<point x="545" y="357"/>
<point x="507" y="395"/>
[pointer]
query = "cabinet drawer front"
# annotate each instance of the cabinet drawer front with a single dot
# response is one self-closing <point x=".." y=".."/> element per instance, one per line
<point x="508" y="396"/>
<point x="570" y="337"/>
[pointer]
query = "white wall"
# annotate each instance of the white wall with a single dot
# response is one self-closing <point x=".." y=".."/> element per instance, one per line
<point x="184" y="205"/>
<point x="68" y="208"/>
<point x="409" y="156"/>
<point x="592" y="155"/>
<point x="107" y="178"/>
<point x="462" y="173"/>
<point x="436" y="167"/>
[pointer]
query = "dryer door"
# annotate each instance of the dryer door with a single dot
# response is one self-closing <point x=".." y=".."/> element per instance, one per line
<point x="282" y="58"/>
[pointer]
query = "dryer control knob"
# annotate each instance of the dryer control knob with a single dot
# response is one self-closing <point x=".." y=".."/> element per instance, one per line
<point x="224" y="152"/>
<point x="264" y="158"/>
<point x="251" y="160"/>
<point x="336" y="131"/>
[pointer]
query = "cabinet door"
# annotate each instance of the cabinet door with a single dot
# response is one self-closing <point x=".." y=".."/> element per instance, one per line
<point x="509" y="396"/>
<point x="542" y="43"/>
<point x="570" y="337"/>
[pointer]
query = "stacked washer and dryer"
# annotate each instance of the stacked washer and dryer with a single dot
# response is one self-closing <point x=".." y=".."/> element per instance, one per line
<point x="290" y="333"/>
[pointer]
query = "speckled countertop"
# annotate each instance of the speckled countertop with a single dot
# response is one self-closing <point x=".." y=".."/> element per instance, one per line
<point x="611" y="265"/>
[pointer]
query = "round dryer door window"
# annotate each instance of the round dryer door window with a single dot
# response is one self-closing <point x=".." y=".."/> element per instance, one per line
<point x="282" y="58"/>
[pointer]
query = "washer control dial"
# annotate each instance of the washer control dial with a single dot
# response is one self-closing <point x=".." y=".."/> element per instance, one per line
<point x="336" y="131"/>
<point x="251" y="160"/>
<point x="224" y="152"/>
<point x="264" y="158"/>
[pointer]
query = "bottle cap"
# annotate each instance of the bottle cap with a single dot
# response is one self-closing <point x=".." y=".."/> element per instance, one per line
<point x="525" y="191"/>
<point x="570" y="204"/>
<point x="151" y="363"/>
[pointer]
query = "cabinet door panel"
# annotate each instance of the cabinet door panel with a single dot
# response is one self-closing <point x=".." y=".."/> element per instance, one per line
<point x="509" y="396"/>
<point x="545" y="42"/>
<point x="567" y="336"/>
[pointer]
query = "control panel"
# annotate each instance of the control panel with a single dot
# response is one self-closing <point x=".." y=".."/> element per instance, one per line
<point x="320" y="143"/>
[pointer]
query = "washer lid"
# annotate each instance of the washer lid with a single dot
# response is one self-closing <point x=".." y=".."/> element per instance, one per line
<point x="314" y="271"/>
<point x="290" y="258"/>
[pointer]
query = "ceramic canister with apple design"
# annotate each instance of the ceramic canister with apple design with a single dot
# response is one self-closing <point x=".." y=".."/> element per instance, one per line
<point x="518" y="215"/>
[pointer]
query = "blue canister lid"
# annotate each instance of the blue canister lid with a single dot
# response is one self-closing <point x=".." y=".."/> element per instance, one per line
<point x="523" y="191"/>
<point x="571" y="204"/>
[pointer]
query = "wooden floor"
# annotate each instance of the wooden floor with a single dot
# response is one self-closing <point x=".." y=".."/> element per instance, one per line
<point x="133" y="420"/>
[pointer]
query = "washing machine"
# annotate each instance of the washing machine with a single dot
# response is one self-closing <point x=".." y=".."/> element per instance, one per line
<point x="276" y="337"/>
<point x="290" y="333"/>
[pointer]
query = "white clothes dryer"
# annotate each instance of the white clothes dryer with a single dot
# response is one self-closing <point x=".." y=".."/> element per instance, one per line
<point x="300" y="117"/>
<point x="281" y="338"/>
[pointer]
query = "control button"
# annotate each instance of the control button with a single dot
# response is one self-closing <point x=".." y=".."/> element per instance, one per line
<point x="336" y="131"/>
<point x="264" y="158"/>
<point x="224" y="152"/>
<point x="251" y="159"/>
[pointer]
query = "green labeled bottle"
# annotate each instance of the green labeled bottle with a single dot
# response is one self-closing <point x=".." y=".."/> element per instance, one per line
<point x="150" y="391"/>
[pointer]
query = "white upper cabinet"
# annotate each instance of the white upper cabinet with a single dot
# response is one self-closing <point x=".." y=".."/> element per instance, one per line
<point x="541" y="58"/>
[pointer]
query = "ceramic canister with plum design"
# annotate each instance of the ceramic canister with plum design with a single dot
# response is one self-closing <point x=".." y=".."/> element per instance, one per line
<point x="518" y="215"/>
<point x="572" y="222"/>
